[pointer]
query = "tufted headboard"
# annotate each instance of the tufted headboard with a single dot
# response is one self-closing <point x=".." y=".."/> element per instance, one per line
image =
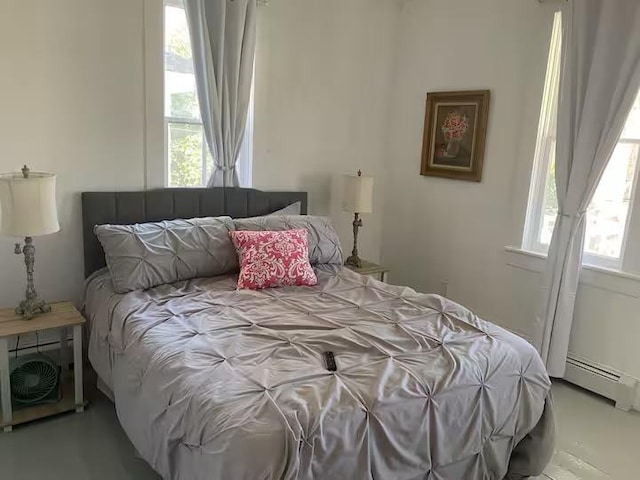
<point x="125" y="208"/>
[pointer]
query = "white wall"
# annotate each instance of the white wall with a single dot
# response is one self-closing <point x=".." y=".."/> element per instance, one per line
<point x="439" y="230"/>
<point x="323" y="73"/>
<point x="445" y="230"/>
<point x="71" y="97"/>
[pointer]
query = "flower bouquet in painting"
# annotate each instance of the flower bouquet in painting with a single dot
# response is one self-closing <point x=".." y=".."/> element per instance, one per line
<point x="454" y="128"/>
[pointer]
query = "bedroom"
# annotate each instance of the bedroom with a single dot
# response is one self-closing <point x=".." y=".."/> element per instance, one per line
<point x="339" y="86"/>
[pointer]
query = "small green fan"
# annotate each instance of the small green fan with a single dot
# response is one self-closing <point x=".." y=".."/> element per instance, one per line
<point x="34" y="379"/>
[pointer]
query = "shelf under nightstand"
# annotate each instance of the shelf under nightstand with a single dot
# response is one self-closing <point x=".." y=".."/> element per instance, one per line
<point x="63" y="315"/>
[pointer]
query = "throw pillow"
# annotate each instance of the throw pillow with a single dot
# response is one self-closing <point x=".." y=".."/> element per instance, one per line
<point x="273" y="259"/>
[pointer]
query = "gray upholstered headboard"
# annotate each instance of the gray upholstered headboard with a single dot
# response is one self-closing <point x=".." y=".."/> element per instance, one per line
<point x="125" y="208"/>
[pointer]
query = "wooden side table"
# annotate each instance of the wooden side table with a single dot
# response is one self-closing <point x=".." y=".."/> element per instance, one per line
<point x="62" y="316"/>
<point x="373" y="269"/>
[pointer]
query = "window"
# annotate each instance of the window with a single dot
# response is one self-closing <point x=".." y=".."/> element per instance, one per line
<point x="608" y="215"/>
<point x="188" y="160"/>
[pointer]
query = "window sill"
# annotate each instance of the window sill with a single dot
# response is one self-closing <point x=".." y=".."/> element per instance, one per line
<point x="602" y="278"/>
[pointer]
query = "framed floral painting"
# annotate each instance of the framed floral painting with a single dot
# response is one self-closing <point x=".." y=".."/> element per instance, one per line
<point x="455" y="130"/>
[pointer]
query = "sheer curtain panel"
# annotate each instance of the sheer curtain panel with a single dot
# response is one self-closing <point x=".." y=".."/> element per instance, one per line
<point x="223" y="39"/>
<point x="599" y="80"/>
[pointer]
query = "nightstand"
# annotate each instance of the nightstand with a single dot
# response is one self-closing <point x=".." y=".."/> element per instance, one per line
<point x="63" y="316"/>
<point x="372" y="269"/>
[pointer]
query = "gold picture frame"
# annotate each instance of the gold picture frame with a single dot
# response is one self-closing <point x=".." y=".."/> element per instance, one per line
<point x="455" y="131"/>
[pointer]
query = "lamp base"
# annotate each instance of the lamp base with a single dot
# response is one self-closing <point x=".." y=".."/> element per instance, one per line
<point x="30" y="307"/>
<point x="353" y="261"/>
<point x="32" y="303"/>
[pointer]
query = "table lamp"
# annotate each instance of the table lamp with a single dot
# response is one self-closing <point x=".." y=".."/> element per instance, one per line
<point x="357" y="199"/>
<point x="28" y="205"/>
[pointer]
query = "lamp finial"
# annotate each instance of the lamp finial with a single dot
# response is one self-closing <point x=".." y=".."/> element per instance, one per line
<point x="25" y="171"/>
<point x="359" y="172"/>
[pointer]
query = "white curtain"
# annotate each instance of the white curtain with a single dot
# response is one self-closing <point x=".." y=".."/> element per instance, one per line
<point x="223" y="39"/>
<point x="599" y="80"/>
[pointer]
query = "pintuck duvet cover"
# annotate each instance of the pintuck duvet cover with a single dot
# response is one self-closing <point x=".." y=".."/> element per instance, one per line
<point x="218" y="384"/>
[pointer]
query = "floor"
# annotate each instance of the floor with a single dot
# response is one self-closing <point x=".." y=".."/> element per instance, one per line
<point x="596" y="441"/>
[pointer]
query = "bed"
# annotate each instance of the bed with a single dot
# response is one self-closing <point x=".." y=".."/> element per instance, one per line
<point x="210" y="382"/>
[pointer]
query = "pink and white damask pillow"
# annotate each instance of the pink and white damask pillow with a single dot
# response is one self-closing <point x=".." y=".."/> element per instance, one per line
<point x="273" y="259"/>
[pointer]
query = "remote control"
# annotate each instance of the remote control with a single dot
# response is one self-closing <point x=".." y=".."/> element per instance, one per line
<point x="330" y="360"/>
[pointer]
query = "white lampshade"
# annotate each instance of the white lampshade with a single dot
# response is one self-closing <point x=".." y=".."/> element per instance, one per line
<point x="28" y="204"/>
<point x="358" y="194"/>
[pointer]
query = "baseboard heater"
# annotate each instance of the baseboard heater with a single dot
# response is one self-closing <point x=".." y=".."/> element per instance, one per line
<point x="603" y="381"/>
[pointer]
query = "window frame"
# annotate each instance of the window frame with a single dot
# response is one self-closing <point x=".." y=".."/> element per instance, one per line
<point x="535" y="210"/>
<point x="544" y="143"/>
<point x="204" y="150"/>
<point x="170" y="119"/>
<point x="630" y="262"/>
